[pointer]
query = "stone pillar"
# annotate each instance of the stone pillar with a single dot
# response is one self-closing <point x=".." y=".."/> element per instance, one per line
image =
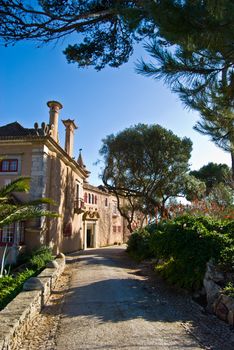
<point x="54" y="107"/>
<point x="69" y="139"/>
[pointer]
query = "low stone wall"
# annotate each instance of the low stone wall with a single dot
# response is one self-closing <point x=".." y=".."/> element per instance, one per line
<point x="15" y="318"/>
<point x="224" y="308"/>
<point x="218" y="303"/>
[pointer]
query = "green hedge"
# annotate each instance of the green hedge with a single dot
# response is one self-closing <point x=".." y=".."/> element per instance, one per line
<point x="184" y="246"/>
<point x="139" y="245"/>
<point x="10" y="286"/>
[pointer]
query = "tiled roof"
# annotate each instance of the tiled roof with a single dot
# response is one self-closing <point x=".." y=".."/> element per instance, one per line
<point x="17" y="130"/>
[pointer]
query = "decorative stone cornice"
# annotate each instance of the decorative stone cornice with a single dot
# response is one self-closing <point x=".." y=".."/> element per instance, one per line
<point x="91" y="215"/>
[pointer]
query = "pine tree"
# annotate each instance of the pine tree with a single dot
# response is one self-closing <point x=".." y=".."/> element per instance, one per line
<point x="105" y="30"/>
<point x="193" y="53"/>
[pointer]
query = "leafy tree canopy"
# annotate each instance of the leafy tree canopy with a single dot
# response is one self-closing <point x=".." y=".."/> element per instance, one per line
<point x="141" y="164"/>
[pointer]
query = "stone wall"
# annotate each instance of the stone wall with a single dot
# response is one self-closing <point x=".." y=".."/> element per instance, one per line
<point x="217" y="302"/>
<point x="16" y="317"/>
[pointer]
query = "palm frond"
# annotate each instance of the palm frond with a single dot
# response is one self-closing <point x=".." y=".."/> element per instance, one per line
<point x="11" y="211"/>
<point x="40" y="201"/>
<point x="26" y="213"/>
<point x="21" y="184"/>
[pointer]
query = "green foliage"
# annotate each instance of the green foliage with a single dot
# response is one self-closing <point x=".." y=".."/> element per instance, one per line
<point x="10" y="286"/>
<point x="227" y="255"/>
<point x="36" y="259"/>
<point x="21" y="184"/>
<point x="222" y="195"/>
<point x="40" y="258"/>
<point x="185" y="245"/>
<point x="213" y="174"/>
<point x="197" y="62"/>
<point x="190" y="41"/>
<point x="11" y="211"/>
<point x="193" y="188"/>
<point x="107" y="29"/>
<point x="145" y="165"/>
<point x="139" y="245"/>
<point x="229" y="289"/>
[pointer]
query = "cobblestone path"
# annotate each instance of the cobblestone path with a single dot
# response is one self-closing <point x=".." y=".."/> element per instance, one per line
<point x="105" y="301"/>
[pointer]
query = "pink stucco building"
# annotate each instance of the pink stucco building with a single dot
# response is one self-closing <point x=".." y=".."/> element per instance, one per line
<point x="88" y="214"/>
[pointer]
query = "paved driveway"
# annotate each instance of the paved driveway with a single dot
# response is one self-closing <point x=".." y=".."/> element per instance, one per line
<point x="111" y="306"/>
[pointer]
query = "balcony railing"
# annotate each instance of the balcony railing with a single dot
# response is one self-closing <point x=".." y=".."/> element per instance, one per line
<point x="79" y="206"/>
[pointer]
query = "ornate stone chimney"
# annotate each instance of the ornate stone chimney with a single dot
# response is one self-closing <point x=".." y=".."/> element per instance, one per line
<point x="69" y="139"/>
<point x="54" y="107"/>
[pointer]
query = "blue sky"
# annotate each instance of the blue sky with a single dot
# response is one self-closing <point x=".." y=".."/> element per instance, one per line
<point x="100" y="102"/>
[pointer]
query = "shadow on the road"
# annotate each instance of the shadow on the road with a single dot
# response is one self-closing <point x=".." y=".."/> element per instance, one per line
<point x="128" y="297"/>
<point x="108" y="256"/>
<point x="117" y="300"/>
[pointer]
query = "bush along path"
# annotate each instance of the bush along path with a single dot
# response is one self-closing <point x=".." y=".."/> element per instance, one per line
<point x="182" y="249"/>
<point x="11" y="285"/>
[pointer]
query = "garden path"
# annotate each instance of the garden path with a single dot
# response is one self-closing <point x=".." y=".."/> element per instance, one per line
<point x="106" y="301"/>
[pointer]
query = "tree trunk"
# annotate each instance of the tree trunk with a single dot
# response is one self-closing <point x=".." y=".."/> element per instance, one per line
<point x="232" y="157"/>
<point x="129" y="227"/>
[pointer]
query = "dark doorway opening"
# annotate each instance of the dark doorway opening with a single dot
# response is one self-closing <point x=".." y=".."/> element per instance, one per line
<point x="89" y="238"/>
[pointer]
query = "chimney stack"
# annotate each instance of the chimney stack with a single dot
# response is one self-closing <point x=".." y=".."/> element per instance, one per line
<point x="54" y="107"/>
<point x="69" y="139"/>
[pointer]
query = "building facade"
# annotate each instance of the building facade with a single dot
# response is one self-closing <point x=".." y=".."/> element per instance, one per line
<point x="103" y="224"/>
<point x="88" y="215"/>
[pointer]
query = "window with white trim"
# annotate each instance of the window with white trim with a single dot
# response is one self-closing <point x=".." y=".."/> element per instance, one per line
<point x="8" y="233"/>
<point x="12" y="233"/>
